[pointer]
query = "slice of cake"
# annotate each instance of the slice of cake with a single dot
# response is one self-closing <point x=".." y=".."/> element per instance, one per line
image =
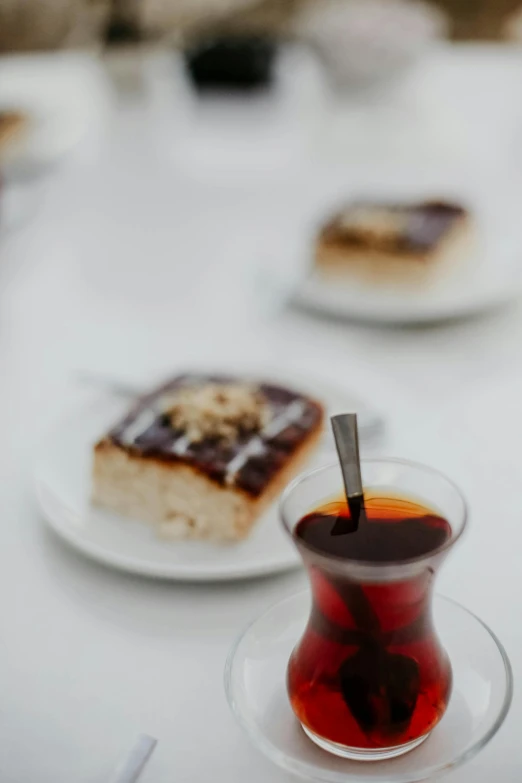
<point x="389" y="242"/>
<point x="202" y="457"/>
<point x="12" y="124"/>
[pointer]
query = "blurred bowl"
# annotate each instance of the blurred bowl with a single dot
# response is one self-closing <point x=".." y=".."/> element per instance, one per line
<point x="364" y="43"/>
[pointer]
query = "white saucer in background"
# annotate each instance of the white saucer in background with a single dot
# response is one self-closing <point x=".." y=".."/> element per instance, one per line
<point x="65" y="97"/>
<point x="489" y="277"/>
<point x="493" y="279"/>
<point x="63" y="489"/>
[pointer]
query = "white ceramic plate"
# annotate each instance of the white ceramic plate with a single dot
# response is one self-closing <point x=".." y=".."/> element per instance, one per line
<point x="63" y="490"/>
<point x="489" y="278"/>
<point x="490" y="288"/>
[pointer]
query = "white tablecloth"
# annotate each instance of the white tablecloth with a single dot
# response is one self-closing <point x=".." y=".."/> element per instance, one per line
<point x="131" y="267"/>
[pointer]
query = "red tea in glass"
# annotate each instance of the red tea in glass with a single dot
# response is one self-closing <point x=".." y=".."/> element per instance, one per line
<point x="369" y="678"/>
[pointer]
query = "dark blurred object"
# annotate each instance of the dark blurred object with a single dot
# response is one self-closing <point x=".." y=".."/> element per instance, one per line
<point x="232" y="62"/>
<point x="124" y="23"/>
<point x="124" y="39"/>
<point x="120" y="32"/>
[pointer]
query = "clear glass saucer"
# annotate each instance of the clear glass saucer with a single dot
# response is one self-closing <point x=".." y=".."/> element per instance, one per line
<point x="255" y="678"/>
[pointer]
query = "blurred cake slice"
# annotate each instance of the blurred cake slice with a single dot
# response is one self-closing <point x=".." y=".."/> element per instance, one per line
<point x="395" y="242"/>
<point x="202" y="457"/>
<point x="12" y="125"/>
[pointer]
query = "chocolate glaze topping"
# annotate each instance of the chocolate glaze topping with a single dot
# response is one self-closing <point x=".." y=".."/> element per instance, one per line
<point x="249" y="461"/>
<point x="420" y="227"/>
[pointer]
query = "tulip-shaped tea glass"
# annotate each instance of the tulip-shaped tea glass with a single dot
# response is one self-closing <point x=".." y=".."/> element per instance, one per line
<point x="370" y="679"/>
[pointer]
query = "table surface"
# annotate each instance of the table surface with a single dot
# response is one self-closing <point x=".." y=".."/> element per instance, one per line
<point x="132" y="266"/>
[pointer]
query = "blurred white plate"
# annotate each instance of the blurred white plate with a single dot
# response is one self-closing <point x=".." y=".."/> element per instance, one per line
<point x="490" y="277"/>
<point x="495" y="281"/>
<point x="63" y="490"/>
<point x="64" y="96"/>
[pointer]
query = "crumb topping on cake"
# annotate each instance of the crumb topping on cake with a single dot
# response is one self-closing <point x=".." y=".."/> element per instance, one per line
<point x="217" y="410"/>
<point x="237" y="432"/>
<point x="374" y="224"/>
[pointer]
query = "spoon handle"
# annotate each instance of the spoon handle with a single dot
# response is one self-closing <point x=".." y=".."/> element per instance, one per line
<point x="347" y="442"/>
<point x="130" y="769"/>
